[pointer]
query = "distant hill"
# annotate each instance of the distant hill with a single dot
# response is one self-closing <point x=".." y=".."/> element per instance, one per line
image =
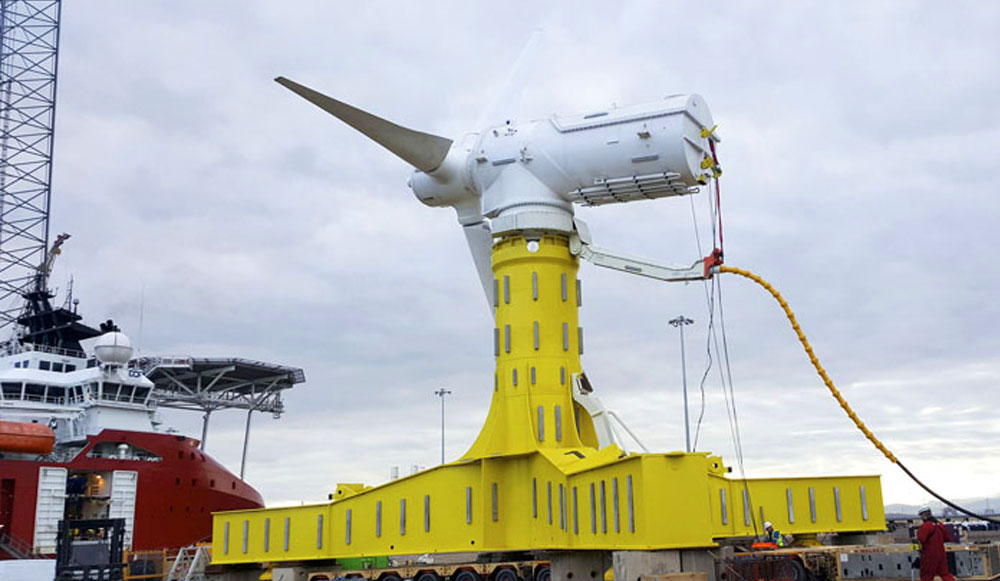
<point x="984" y="506"/>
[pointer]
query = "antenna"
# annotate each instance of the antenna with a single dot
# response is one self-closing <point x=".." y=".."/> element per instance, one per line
<point x="29" y="51"/>
<point x="142" y="312"/>
<point x="68" y="302"/>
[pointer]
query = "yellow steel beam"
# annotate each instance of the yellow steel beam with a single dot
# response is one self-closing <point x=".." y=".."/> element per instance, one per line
<point x="528" y="501"/>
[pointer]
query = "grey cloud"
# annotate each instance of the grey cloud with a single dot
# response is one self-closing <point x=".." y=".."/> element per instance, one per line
<point x="858" y="148"/>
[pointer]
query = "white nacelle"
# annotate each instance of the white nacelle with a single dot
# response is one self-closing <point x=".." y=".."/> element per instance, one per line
<point x="525" y="177"/>
<point x="528" y="175"/>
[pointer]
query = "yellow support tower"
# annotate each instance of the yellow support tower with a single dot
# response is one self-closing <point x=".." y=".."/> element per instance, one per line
<point x="537" y="343"/>
<point x="535" y="477"/>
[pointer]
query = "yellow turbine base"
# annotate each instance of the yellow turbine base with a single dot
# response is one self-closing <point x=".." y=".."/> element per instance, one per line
<point x="550" y="500"/>
<point x="534" y="478"/>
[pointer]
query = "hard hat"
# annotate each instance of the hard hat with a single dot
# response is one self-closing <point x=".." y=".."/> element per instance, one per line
<point x="767" y="524"/>
<point x="924" y="509"/>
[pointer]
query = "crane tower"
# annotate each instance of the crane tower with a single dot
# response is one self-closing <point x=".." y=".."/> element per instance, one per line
<point x="29" y="55"/>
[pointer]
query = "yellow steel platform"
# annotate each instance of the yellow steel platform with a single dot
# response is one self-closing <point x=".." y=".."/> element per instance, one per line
<point x="550" y="500"/>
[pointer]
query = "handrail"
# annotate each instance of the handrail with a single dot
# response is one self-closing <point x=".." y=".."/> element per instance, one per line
<point x="14" y="347"/>
<point x="153" y="568"/>
<point x="190" y="562"/>
<point x="16" y="547"/>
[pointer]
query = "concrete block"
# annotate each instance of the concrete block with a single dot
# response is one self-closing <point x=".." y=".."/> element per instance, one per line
<point x="698" y="561"/>
<point x="675" y="565"/>
<point x="579" y="565"/>
<point x="634" y="565"/>
<point x="289" y="574"/>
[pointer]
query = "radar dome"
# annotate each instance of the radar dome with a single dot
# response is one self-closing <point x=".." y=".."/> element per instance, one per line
<point x="113" y="348"/>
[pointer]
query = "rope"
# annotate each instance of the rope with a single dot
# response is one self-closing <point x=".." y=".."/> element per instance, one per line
<point x="836" y="393"/>
<point x="709" y="296"/>
<point x="815" y="361"/>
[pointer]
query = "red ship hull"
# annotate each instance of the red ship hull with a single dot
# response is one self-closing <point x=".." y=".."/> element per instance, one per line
<point x="174" y="499"/>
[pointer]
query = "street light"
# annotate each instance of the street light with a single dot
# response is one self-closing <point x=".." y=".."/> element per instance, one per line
<point x="441" y="393"/>
<point x="680" y="322"/>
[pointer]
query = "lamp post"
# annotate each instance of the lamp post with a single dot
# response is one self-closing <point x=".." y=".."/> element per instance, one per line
<point x="441" y="393"/>
<point x="680" y="322"/>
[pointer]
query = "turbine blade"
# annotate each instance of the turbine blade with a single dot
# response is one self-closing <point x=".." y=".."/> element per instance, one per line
<point x="480" y="241"/>
<point x="423" y="151"/>
<point x="507" y="102"/>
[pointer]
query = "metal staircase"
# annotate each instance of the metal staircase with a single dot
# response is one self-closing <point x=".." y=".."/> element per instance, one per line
<point x="17" y="548"/>
<point x="190" y="564"/>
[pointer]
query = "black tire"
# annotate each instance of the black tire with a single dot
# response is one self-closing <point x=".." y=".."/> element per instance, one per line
<point x="390" y="577"/>
<point x="798" y="570"/>
<point x="466" y="575"/>
<point x="505" y="575"/>
<point x="428" y="576"/>
<point x="543" y="573"/>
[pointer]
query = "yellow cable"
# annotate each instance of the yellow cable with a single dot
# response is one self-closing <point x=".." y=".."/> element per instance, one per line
<point x="812" y="358"/>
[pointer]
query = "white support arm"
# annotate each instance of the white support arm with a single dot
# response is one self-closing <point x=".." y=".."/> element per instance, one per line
<point x="580" y="246"/>
<point x="607" y="432"/>
<point x="643" y="266"/>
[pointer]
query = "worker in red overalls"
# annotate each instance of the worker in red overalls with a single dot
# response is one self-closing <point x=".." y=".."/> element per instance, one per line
<point x="932" y="535"/>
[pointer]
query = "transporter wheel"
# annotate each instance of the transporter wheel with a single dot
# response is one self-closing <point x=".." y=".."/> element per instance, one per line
<point x="428" y="576"/>
<point x="505" y="574"/>
<point x="466" y="575"/>
<point x="543" y="573"/>
<point x="798" y="571"/>
<point x="390" y="577"/>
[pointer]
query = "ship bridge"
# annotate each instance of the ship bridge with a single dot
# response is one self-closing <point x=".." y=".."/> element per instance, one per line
<point x="208" y="384"/>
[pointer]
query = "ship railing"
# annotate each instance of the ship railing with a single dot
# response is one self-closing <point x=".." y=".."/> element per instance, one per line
<point x="147" y="364"/>
<point x="114" y="456"/>
<point x="17" y="548"/>
<point x="147" y="565"/>
<point x="15" y="347"/>
<point x="51" y="399"/>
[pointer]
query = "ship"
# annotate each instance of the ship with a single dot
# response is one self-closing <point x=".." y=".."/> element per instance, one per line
<point x="81" y="434"/>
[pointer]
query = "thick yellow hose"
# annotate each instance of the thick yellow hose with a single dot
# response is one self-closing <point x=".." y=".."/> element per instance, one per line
<point x="815" y="361"/>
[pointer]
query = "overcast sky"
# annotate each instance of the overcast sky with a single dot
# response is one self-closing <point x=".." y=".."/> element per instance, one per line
<point x="860" y="151"/>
